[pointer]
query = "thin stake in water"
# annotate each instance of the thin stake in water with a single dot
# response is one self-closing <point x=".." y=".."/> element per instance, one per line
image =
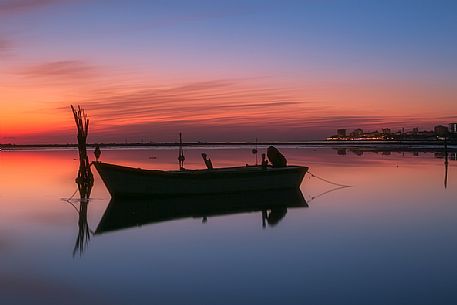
<point x="181" y="157"/>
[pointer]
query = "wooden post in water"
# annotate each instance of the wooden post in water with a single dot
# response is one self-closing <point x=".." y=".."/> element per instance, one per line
<point x="85" y="178"/>
<point x="446" y="162"/>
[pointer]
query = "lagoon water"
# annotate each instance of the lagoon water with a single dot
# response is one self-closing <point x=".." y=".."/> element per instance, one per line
<point x="390" y="238"/>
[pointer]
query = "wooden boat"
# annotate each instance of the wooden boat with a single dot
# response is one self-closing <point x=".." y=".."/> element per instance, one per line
<point x="123" y="213"/>
<point x="135" y="182"/>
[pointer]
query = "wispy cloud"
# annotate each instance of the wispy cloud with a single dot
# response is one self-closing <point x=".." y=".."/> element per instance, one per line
<point x="452" y="118"/>
<point x="207" y="108"/>
<point x="224" y="109"/>
<point x="5" y="45"/>
<point x="17" y="6"/>
<point x="11" y="7"/>
<point x="60" y="69"/>
<point x="234" y="128"/>
<point x="219" y="102"/>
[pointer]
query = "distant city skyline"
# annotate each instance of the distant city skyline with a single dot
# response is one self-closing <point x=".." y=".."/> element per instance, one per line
<point x="224" y="70"/>
<point x="415" y="133"/>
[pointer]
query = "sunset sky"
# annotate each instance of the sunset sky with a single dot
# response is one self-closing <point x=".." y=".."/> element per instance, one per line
<point x="224" y="70"/>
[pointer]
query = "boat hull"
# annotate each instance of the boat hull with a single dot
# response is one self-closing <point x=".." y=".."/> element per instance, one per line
<point x="131" y="182"/>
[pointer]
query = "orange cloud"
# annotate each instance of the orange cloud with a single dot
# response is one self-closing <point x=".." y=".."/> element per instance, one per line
<point x="60" y="69"/>
<point x="219" y="101"/>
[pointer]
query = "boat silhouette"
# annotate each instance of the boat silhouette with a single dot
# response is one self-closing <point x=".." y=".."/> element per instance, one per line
<point x="123" y="213"/>
<point x="124" y="181"/>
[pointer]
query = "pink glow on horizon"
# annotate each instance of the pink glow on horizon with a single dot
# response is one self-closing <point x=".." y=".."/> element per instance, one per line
<point x="41" y="115"/>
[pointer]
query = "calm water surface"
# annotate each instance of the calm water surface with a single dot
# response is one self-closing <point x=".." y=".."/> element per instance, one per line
<point x="390" y="238"/>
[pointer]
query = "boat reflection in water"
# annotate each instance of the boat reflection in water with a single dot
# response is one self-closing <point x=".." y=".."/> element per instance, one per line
<point x="123" y="213"/>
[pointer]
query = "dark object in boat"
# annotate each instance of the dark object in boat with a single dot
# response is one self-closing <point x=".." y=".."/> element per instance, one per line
<point x="124" y="181"/>
<point x="276" y="158"/>
<point x="264" y="161"/>
<point x="208" y="163"/>
<point x="129" y="213"/>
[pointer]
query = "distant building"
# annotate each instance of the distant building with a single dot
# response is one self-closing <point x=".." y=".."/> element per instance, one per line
<point x="357" y="132"/>
<point x="441" y="130"/>
<point x="386" y="131"/>
<point x="341" y="132"/>
<point x="453" y="127"/>
<point x="415" y="130"/>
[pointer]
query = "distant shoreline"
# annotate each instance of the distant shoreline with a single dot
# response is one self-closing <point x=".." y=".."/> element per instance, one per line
<point x="452" y="145"/>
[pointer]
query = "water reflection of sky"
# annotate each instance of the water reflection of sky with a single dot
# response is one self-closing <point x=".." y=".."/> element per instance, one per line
<point x="388" y="239"/>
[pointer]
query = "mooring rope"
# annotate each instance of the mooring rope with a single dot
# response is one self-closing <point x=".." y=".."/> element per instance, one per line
<point x="325" y="193"/>
<point x="328" y="181"/>
<point x="71" y="197"/>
